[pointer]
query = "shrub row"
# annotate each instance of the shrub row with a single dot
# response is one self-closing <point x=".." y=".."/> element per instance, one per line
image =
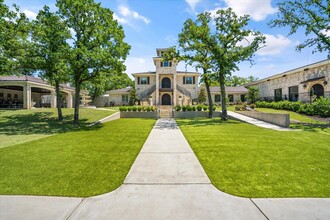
<point x="192" y="108"/>
<point x="320" y="106"/>
<point x="137" y="108"/>
<point x="244" y="107"/>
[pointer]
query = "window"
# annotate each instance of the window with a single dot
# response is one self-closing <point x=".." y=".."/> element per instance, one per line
<point x="278" y="94"/>
<point x="217" y="98"/>
<point x="293" y="93"/>
<point x="1" y="96"/>
<point x="144" y="80"/>
<point x="231" y="98"/>
<point x="188" y="80"/>
<point x="124" y="98"/>
<point x="243" y="99"/>
<point x="166" y="64"/>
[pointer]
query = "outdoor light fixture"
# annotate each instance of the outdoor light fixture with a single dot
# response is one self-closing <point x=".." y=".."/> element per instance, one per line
<point x="325" y="83"/>
<point x="305" y="85"/>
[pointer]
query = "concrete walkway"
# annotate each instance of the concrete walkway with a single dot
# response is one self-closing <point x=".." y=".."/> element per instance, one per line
<point x="257" y="122"/>
<point x="165" y="182"/>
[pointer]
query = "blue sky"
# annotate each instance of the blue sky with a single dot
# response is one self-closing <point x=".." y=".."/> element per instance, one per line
<point x="151" y="24"/>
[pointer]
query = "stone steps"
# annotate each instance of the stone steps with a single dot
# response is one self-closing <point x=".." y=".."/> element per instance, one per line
<point x="166" y="111"/>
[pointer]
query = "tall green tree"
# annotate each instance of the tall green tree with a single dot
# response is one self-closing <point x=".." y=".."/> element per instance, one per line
<point x="312" y="15"/>
<point x="15" y="45"/>
<point x="228" y="48"/>
<point x="115" y="81"/>
<point x="238" y="81"/>
<point x="253" y="94"/>
<point x="196" y="52"/>
<point x="50" y="36"/>
<point x="202" y="96"/>
<point x="98" y="48"/>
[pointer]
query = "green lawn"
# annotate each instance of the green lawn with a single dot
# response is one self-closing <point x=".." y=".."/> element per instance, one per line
<point x="249" y="161"/>
<point x="92" y="161"/>
<point x="19" y="126"/>
<point x="293" y="115"/>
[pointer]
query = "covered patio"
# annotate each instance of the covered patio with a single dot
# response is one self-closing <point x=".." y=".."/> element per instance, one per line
<point x="31" y="92"/>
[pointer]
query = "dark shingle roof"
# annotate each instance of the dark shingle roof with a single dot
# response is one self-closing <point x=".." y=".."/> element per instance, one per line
<point x="237" y="89"/>
<point x="30" y="79"/>
<point x="123" y="90"/>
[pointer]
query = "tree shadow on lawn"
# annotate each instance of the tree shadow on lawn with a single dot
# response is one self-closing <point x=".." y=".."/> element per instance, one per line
<point x="205" y="122"/>
<point x="312" y="127"/>
<point x="41" y="123"/>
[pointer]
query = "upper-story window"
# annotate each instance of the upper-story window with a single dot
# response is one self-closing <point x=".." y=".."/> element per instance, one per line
<point x="166" y="64"/>
<point x="143" y="80"/>
<point x="188" y="80"/>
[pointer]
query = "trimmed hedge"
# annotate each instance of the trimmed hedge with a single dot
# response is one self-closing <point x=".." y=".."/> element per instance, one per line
<point x="320" y="106"/>
<point x="137" y="108"/>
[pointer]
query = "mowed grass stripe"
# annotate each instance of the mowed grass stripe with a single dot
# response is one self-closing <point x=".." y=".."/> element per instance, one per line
<point x="249" y="161"/>
<point x="80" y="164"/>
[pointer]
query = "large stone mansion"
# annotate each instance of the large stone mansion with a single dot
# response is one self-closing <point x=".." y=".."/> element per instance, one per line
<point x="167" y="86"/>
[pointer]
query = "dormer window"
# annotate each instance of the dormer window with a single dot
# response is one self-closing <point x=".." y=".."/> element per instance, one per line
<point x="166" y="64"/>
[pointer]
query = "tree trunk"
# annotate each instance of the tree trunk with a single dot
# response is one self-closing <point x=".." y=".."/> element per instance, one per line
<point x="223" y="97"/>
<point x="76" y="104"/>
<point x="209" y="98"/>
<point x="58" y="101"/>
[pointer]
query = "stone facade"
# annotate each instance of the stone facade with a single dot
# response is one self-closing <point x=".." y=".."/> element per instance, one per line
<point x="166" y="86"/>
<point x="305" y="83"/>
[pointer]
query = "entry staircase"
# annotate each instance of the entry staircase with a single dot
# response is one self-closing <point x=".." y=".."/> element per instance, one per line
<point x="166" y="111"/>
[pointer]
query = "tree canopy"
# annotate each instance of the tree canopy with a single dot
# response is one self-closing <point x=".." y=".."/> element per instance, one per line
<point x="238" y="80"/>
<point x="229" y="45"/>
<point x="312" y="15"/>
<point x="49" y="37"/>
<point x="14" y="41"/>
<point x="98" y="48"/>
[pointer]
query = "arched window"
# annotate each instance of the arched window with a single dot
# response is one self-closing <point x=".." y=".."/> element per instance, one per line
<point x="166" y="99"/>
<point x="166" y="83"/>
<point x="317" y="90"/>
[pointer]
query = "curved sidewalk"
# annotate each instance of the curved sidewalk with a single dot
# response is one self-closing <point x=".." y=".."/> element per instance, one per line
<point x="166" y="181"/>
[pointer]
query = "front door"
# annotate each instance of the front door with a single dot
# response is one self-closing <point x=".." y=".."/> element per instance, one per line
<point x="166" y="99"/>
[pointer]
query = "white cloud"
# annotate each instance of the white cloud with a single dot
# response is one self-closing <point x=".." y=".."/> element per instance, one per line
<point x="326" y="32"/>
<point x="171" y="39"/>
<point x="30" y="14"/>
<point x="127" y="16"/>
<point x="192" y="3"/>
<point x="257" y="9"/>
<point x="139" y="64"/>
<point x="274" y="44"/>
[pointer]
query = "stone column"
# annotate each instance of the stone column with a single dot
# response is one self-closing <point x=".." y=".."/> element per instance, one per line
<point x="157" y="89"/>
<point x="69" y="100"/>
<point x="53" y="99"/>
<point x="26" y="96"/>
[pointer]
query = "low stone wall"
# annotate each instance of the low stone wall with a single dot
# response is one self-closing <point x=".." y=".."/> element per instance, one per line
<point x="282" y="120"/>
<point x="138" y="114"/>
<point x="194" y="114"/>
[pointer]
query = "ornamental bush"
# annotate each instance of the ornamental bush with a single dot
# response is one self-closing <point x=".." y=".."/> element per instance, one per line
<point x="193" y="108"/>
<point x="139" y="108"/>
<point x="134" y="108"/>
<point x="189" y="108"/>
<point x="178" y="108"/>
<point x="184" y="108"/>
<point x="199" y="108"/>
<point x="205" y="108"/>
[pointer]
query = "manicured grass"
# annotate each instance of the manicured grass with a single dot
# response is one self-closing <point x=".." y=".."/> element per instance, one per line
<point x="293" y="115"/>
<point x="83" y="163"/>
<point x="19" y="126"/>
<point x="249" y="161"/>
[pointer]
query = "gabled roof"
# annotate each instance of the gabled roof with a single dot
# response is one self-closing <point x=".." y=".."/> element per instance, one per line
<point x="299" y="69"/>
<point x="144" y="73"/>
<point x="120" y="91"/>
<point x="29" y="79"/>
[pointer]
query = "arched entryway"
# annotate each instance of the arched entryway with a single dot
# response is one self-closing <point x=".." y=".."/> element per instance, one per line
<point x="166" y="99"/>
<point x="166" y="83"/>
<point x="317" y="90"/>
